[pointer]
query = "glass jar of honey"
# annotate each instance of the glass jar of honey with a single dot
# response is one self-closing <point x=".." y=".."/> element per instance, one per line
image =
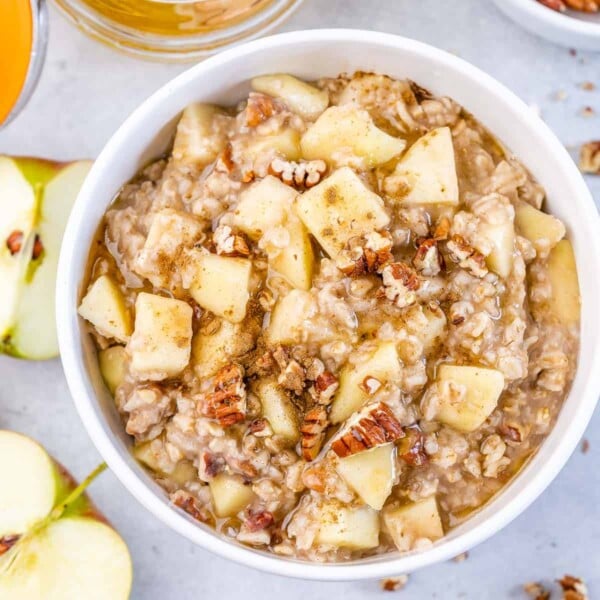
<point x="176" y="29"/>
<point x="23" y="38"/>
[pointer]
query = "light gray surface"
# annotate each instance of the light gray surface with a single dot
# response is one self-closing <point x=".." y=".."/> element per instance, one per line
<point x="87" y="90"/>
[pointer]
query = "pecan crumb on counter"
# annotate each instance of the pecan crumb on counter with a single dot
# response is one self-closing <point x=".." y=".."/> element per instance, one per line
<point x="573" y="588"/>
<point x="536" y="591"/>
<point x="394" y="584"/>
<point x="589" y="158"/>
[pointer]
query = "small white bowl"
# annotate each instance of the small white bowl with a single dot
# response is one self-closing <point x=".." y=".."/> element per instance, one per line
<point x="572" y="29"/>
<point x="312" y="54"/>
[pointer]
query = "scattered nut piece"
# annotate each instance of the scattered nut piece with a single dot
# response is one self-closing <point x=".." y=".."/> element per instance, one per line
<point x="377" y="426"/>
<point x="366" y="254"/>
<point x="225" y="162"/>
<point x="259" y="109"/>
<point x="590" y="6"/>
<point x="461" y="557"/>
<point x="573" y="588"/>
<point x="258" y="520"/>
<point x="589" y="159"/>
<point x="394" y="584"/>
<point x="313" y="431"/>
<point x="588" y="86"/>
<point x="428" y="260"/>
<point x="587" y="112"/>
<point x="228" y="243"/>
<point x="557" y="5"/>
<point x="303" y="174"/>
<point x="585" y="446"/>
<point x="188" y="503"/>
<point x="400" y="282"/>
<point x="326" y="385"/>
<point x="292" y="377"/>
<point x="466" y="256"/>
<point x="227" y="403"/>
<point x="536" y="591"/>
<point x="370" y="385"/>
<point x="14" y="242"/>
<point x="511" y="432"/>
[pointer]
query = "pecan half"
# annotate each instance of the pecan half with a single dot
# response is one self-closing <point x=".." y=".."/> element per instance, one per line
<point x="589" y="158"/>
<point x="466" y="256"/>
<point x="326" y="385"/>
<point x="228" y="243"/>
<point x="7" y="542"/>
<point x="366" y="254"/>
<point x="377" y="426"/>
<point x="259" y="109"/>
<point x="303" y="174"/>
<point x="428" y="260"/>
<point x="313" y="431"/>
<point x="573" y="588"/>
<point x="14" y="242"/>
<point x="227" y="403"/>
<point x="400" y="282"/>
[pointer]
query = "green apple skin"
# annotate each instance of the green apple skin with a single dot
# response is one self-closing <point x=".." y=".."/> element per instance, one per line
<point x="36" y="201"/>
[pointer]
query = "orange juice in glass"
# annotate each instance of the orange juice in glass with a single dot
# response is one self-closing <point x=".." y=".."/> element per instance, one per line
<point x="23" y="29"/>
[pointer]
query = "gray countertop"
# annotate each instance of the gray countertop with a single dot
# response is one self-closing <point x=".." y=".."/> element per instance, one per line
<point x="86" y="91"/>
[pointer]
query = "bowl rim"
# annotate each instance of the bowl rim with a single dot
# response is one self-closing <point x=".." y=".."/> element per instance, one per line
<point x="85" y="400"/>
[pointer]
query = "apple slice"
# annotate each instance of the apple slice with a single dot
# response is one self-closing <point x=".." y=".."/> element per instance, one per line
<point x="565" y="301"/>
<point x="426" y="174"/>
<point x="543" y="230"/>
<point x="27" y="326"/>
<point x="355" y="528"/>
<point x="370" y="474"/>
<point x="113" y="366"/>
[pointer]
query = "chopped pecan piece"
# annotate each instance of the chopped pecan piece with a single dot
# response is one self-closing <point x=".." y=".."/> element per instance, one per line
<point x="225" y="163"/>
<point x="258" y="519"/>
<point x="573" y="588"/>
<point x="428" y="260"/>
<point x="536" y="591"/>
<point x="292" y="377"/>
<point x="400" y="282"/>
<point x="14" y="242"/>
<point x="442" y="229"/>
<point x="510" y="432"/>
<point x="589" y="158"/>
<point x="213" y="464"/>
<point x="227" y="403"/>
<point x="303" y="174"/>
<point x="189" y="504"/>
<point x="590" y="6"/>
<point x="466" y="256"/>
<point x="7" y="542"/>
<point x="228" y="243"/>
<point x="412" y="448"/>
<point x="326" y="385"/>
<point x="313" y="431"/>
<point x="370" y="385"/>
<point x="260" y="428"/>
<point x="259" y="109"/>
<point x="557" y="5"/>
<point x="377" y="426"/>
<point x="393" y="584"/>
<point x="366" y="254"/>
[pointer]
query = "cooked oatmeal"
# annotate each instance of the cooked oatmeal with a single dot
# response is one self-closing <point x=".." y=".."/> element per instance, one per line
<point x="334" y="318"/>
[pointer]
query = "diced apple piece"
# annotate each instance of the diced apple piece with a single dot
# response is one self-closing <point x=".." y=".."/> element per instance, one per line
<point x="198" y="141"/>
<point x="565" y="301"/>
<point x="113" y="366"/>
<point x="306" y="100"/>
<point x="161" y="342"/>
<point x="435" y="328"/>
<point x="229" y="494"/>
<point x="411" y="522"/>
<point x="426" y="174"/>
<point x="382" y="365"/>
<point x="221" y="285"/>
<point x="285" y="143"/>
<point x="183" y="472"/>
<point x="264" y="205"/>
<point x="287" y="318"/>
<point x="348" y="527"/>
<point x="340" y="207"/>
<point x="542" y="230"/>
<point x="482" y="391"/>
<point x="278" y="409"/>
<point x="345" y="133"/>
<point x="502" y="237"/>
<point x="104" y="307"/>
<point x="370" y="474"/>
<point x="295" y="262"/>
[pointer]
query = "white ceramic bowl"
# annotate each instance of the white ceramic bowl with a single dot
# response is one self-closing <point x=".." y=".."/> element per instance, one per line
<point x="571" y="28"/>
<point x="311" y="54"/>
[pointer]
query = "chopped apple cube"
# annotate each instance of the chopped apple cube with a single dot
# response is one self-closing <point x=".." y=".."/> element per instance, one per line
<point x="197" y="140"/>
<point x="295" y="262"/>
<point x="383" y="365"/>
<point x="161" y="341"/>
<point x="411" y="522"/>
<point x="502" y="237"/>
<point x="104" y="307"/>
<point x="285" y="143"/>
<point x="183" y="472"/>
<point x="306" y="100"/>
<point x="435" y="328"/>
<point x="542" y="230"/>
<point x="343" y="134"/>
<point x="287" y="318"/>
<point x="426" y="174"/>
<point x="348" y="527"/>
<point x="262" y="206"/>
<point x="230" y="495"/>
<point x="370" y="474"/>
<point x="113" y="366"/>
<point x="221" y="285"/>
<point x="565" y="301"/>
<point x="340" y="207"/>
<point x="278" y="409"/>
<point x="482" y="390"/>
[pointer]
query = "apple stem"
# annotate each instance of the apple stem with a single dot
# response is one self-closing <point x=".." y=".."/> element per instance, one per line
<point x="60" y="508"/>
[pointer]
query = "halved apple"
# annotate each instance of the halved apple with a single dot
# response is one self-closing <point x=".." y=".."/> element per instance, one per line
<point x="565" y="301"/>
<point x="35" y="203"/>
<point x="370" y="474"/>
<point x="383" y="365"/>
<point x="342" y="526"/>
<point x="346" y="134"/>
<point x="340" y="207"/>
<point x="426" y="174"/>
<point x="55" y="545"/>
